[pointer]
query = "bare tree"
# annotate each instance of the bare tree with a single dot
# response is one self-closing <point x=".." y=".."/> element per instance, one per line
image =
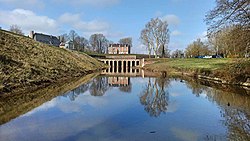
<point x="177" y="54"/>
<point x="72" y="36"/>
<point x="232" y="41"/>
<point x="81" y="43"/>
<point x="127" y="41"/>
<point x="16" y="29"/>
<point x="155" y="35"/>
<point x="99" y="43"/>
<point x="64" y="37"/>
<point x="228" y="12"/>
<point x="146" y="41"/>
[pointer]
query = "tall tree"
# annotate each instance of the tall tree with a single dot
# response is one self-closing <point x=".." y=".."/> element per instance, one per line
<point x="177" y="54"/>
<point x="146" y="41"/>
<point x="64" y="38"/>
<point x="127" y="41"/>
<point x="99" y="43"/>
<point x="155" y="35"/>
<point x="16" y="29"/>
<point x="81" y="43"/>
<point x="72" y="36"/>
<point x="228" y="12"/>
<point x="232" y="41"/>
<point x="197" y="48"/>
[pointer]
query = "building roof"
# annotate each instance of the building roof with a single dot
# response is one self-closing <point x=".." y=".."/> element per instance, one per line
<point x="50" y="36"/>
<point x="119" y="45"/>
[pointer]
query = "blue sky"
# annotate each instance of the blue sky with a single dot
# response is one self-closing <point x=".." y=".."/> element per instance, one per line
<point x="114" y="18"/>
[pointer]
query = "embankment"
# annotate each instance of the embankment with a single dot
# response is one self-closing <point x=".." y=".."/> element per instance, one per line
<point x="225" y="71"/>
<point x="28" y="65"/>
<point x="14" y="105"/>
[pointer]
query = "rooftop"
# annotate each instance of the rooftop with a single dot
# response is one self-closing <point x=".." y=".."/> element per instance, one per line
<point x="119" y="45"/>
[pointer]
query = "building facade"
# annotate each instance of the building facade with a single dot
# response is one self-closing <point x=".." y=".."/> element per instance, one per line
<point x="47" y="39"/>
<point x="119" y="49"/>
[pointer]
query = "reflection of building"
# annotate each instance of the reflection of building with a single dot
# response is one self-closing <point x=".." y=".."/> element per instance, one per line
<point x="119" y="49"/>
<point x="43" y="38"/>
<point x="119" y="81"/>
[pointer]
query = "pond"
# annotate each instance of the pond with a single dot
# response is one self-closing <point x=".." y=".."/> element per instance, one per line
<point x="124" y="108"/>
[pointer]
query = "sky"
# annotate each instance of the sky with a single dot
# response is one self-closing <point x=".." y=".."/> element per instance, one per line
<point x="115" y="19"/>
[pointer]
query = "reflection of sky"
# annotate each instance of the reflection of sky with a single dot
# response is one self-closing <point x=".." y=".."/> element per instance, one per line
<point x="118" y="116"/>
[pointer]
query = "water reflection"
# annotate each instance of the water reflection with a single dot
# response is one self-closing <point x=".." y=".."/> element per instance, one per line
<point x="73" y="94"/>
<point x="235" y="108"/>
<point x="186" y="109"/>
<point x="155" y="96"/>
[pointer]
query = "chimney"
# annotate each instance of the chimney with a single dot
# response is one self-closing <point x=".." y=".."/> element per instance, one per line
<point x="32" y="34"/>
<point x="59" y="38"/>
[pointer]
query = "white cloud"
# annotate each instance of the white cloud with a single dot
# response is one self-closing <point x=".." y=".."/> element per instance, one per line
<point x="96" y="3"/>
<point x="176" y="33"/>
<point x="88" y="28"/>
<point x="28" y="20"/>
<point x="24" y="3"/>
<point x="85" y="26"/>
<point x="185" y="134"/>
<point x="171" y="19"/>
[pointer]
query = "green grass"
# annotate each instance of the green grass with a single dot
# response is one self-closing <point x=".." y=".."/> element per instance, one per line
<point x="193" y="63"/>
<point x="229" y="69"/>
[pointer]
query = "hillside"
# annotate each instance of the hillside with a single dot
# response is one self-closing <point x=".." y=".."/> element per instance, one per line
<point x="27" y="64"/>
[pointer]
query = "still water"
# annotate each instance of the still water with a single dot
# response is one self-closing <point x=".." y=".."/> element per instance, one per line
<point x="136" y="109"/>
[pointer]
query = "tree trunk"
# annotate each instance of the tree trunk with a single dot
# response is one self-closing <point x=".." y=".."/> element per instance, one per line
<point x="163" y="52"/>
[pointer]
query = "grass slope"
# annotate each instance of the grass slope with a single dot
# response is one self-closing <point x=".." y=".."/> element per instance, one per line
<point x="25" y="63"/>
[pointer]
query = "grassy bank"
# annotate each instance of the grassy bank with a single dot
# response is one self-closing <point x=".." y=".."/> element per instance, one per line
<point x="27" y="65"/>
<point x="225" y="70"/>
<point x="14" y="105"/>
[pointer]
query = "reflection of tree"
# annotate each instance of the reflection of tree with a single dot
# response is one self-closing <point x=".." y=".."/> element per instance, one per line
<point x="77" y="91"/>
<point x="234" y="108"/>
<point x="99" y="86"/>
<point x="127" y="88"/>
<point x="155" y="97"/>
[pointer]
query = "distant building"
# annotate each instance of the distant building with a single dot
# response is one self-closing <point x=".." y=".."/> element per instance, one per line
<point x="47" y="39"/>
<point x="69" y="45"/>
<point x="119" y="49"/>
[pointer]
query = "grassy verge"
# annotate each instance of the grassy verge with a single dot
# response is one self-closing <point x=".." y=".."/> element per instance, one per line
<point x="227" y="70"/>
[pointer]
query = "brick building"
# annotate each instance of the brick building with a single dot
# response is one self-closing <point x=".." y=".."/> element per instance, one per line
<point x="119" y="49"/>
